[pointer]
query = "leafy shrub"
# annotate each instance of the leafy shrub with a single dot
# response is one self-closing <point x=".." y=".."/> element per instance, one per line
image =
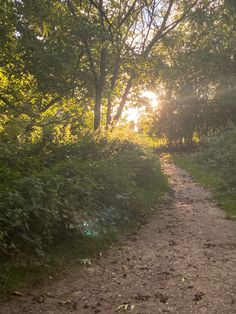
<point x="219" y="157"/>
<point x="214" y="166"/>
<point x="49" y="193"/>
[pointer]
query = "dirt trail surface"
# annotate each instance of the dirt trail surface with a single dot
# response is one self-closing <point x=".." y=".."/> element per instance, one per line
<point x="182" y="261"/>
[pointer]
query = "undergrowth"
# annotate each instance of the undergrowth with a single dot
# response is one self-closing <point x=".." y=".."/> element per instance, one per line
<point x="73" y="197"/>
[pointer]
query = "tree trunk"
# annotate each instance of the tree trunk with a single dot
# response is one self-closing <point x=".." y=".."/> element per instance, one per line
<point x="99" y="89"/>
<point x="124" y="99"/>
<point x="113" y="83"/>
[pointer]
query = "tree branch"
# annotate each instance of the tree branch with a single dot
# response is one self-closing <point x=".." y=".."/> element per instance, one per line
<point x="158" y="35"/>
<point x="127" y="15"/>
<point x="164" y="30"/>
<point x="103" y="14"/>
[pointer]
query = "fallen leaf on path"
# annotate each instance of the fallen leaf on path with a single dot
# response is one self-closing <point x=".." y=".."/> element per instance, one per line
<point x="18" y="293"/>
<point x="39" y="299"/>
<point x="122" y="307"/>
<point x="85" y="261"/>
<point x="125" y="307"/>
<point x="140" y="297"/>
<point x="70" y="305"/>
<point x="132" y="306"/>
<point x="190" y="286"/>
<point x="163" y="298"/>
<point x="64" y="302"/>
<point x="143" y="267"/>
<point x="198" y="296"/>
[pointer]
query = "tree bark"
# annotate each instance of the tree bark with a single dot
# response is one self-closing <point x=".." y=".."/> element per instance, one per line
<point x="113" y="83"/>
<point x="99" y="89"/>
<point x="124" y="99"/>
<point x="102" y="73"/>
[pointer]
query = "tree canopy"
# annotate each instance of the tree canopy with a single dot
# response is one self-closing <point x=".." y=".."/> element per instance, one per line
<point x="68" y="65"/>
<point x="198" y="75"/>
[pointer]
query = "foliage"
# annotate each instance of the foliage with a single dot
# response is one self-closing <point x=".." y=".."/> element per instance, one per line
<point x="215" y="166"/>
<point x="78" y="189"/>
<point x="64" y="63"/>
<point x="189" y="119"/>
<point x="197" y="75"/>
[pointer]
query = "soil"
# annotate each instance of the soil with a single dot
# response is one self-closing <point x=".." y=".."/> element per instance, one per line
<point x="183" y="261"/>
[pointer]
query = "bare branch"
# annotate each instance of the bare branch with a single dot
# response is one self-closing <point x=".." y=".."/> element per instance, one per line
<point x="50" y="104"/>
<point x="158" y="35"/>
<point x="128" y="13"/>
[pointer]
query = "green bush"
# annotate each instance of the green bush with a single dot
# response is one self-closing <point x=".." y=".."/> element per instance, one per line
<point x="219" y="158"/>
<point x="53" y="192"/>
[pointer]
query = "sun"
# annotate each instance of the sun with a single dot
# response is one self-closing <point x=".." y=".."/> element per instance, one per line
<point x="133" y="114"/>
<point x="150" y="96"/>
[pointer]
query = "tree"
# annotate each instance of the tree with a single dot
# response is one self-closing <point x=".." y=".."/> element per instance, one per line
<point x="198" y="75"/>
<point x="66" y="58"/>
<point x="128" y="31"/>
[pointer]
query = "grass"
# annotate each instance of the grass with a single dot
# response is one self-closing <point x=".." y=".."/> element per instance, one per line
<point x="209" y="179"/>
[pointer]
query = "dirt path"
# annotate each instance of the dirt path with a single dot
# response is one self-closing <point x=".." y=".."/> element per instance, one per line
<point x="182" y="261"/>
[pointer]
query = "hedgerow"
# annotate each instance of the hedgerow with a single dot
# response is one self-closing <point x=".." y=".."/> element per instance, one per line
<point x="53" y="192"/>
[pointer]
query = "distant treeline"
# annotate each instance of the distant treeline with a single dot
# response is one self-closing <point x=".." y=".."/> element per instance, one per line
<point x="187" y="121"/>
<point x="197" y="81"/>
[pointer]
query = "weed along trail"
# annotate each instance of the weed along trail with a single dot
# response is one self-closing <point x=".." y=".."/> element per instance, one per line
<point x="183" y="261"/>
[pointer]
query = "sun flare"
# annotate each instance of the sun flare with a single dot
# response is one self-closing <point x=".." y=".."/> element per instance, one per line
<point x="133" y="114"/>
<point x="151" y="96"/>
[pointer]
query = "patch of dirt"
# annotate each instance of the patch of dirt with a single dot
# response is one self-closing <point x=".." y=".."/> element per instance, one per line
<point x="183" y="261"/>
